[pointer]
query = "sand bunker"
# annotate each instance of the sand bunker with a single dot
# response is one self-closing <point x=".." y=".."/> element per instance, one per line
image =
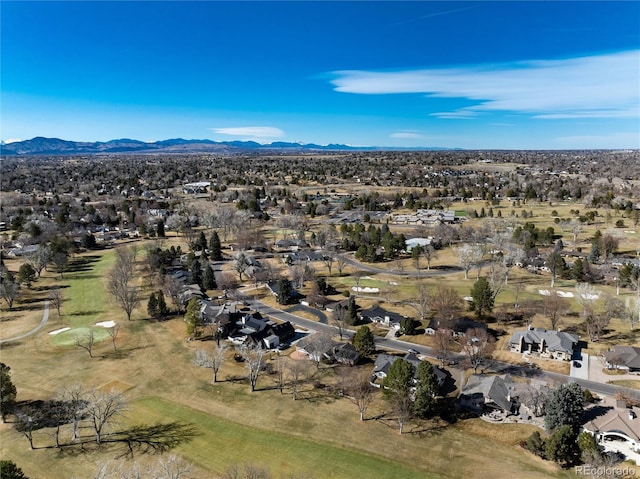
<point x="106" y="324"/>
<point x="61" y="330"/>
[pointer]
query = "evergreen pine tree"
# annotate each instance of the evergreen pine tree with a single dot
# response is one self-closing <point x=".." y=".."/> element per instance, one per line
<point x="152" y="306"/>
<point x="163" y="310"/>
<point x="426" y="391"/>
<point x="209" y="279"/>
<point x="160" y="229"/>
<point x="215" y="248"/>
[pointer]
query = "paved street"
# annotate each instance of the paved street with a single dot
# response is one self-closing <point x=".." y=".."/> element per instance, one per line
<point x="489" y="365"/>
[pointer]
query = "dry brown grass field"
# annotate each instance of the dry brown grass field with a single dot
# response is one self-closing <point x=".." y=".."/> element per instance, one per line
<point x="153" y="368"/>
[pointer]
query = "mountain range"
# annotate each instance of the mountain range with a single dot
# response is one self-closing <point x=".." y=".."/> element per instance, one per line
<point x="56" y="146"/>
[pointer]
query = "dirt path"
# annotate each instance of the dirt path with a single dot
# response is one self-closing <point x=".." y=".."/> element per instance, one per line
<point x="45" y="318"/>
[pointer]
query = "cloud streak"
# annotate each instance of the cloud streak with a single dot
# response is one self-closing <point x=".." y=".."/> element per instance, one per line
<point x="407" y="135"/>
<point x="251" y="131"/>
<point x="599" y="86"/>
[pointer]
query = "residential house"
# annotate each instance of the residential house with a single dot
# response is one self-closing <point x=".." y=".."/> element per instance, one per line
<point x="274" y="288"/>
<point x="618" y="423"/>
<point x="303" y="256"/>
<point x="189" y="291"/>
<point x="384" y="362"/>
<point x="293" y="244"/>
<point x="458" y="326"/>
<point x="493" y="392"/>
<point x="314" y="349"/>
<point x="344" y="353"/>
<point x="379" y="315"/>
<point x="546" y="343"/>
<point x="272" y="335"/>
<point x="623" y="357"/>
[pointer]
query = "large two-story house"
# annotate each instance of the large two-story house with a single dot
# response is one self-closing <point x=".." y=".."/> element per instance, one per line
<point x="545" y="343"/>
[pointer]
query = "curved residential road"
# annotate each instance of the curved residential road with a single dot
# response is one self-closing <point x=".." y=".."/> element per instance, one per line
<point x="424" y="273"/>
<point x="404" y="346"/>
<point x="45" y="318"/>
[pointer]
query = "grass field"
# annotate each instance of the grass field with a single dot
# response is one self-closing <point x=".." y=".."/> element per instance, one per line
<point x="318" y="436"/>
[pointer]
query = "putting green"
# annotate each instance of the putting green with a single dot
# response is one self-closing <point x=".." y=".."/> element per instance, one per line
<point x="68" y="338"/>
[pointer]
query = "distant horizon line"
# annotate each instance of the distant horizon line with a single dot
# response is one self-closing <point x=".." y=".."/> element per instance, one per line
<point x="284" y="144"/>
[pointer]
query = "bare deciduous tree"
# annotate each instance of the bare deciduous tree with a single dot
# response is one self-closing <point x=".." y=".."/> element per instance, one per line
<point x="103" y="408"/>
<point x="476" y="344"/>
<point x="447" y="305"/>
<point x="213" y="360"/>
<point x="119" y="281"/>
<point x="359" y="390"/>
<point x="113" y="334"/>
<point x="341" y="263"/>
<point x="443" y="339"/>
<point x="422" y="301"/>
<point x="40" y="258"/>
<point x="55" y="297"/>
<point x="86" y="342"/>
<point x="632" y="311"/>
<point x="296" y="370"/>
<point x="430" y="254"/>
<point x="9" y="290"/>
<point x="554" y="308"/>
<point x="253" y="361"/>
<point x="586" y="297"/>
<point x="172" y="288"/>
<point x="468" y="255"/>
<point x="74" y="397"/>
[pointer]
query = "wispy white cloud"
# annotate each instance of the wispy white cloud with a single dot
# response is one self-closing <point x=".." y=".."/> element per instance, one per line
<point x="10" y="140"/>
<point x="599" y="86"/>
<point x="407" y="135"/>
<point x="250" y="131"/>
<point x="613" y="140"/>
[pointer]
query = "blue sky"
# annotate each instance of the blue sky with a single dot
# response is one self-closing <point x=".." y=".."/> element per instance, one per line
<point x="508" y="75"/>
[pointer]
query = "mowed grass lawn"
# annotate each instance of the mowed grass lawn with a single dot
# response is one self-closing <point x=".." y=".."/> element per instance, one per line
<point x="220" y="443"/>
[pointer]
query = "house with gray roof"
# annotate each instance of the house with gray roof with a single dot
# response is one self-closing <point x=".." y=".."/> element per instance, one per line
<point x="384" y="362"/>
<point x="623" y="357"/>
<point x="484" y="391"/>
<point x="545" y="343"/>
<point x="379" y="315"/>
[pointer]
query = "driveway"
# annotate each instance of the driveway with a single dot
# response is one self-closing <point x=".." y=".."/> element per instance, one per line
<point x="322" y="318"/>
<point x="596" y="367"/>
<point x="580" y="367"/>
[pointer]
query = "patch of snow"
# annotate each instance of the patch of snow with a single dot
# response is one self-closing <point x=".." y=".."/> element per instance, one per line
<point x="61" y="330"/>
<point x="366" y="289"/>
<point x="589" y="296"/>
<point x="565" y="294"/>
<point x="544" y="292"/>
<point x="106" y="324"/>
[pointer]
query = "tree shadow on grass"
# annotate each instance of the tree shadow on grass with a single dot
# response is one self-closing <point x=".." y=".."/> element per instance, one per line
<point x="157" y="438"/>
<point x="85" y="313"/>
<point x="84" y="263"/>
<point x="121" y="353"/>
<point x="49" y="288"/>
<point x="29" y="305"/>
<point x="143" y="439"/>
